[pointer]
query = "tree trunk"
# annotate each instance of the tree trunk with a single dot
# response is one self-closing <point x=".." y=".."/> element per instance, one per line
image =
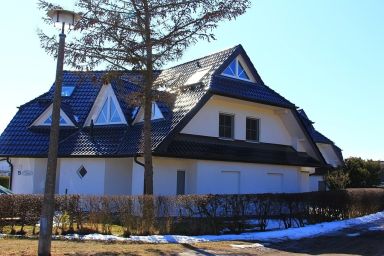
<point x="48" y="206"/>
<point x="148" y="169"/>
<point x="148" y="211"/>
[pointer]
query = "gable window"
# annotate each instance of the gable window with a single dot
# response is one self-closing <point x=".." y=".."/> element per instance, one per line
<point x="226" y="126"/>
<point x="138" y="113"/>
<point x="45" y="119"/>
<point x="108" y="113"/>
<point x="252" y="129"/>
<point x="236" y="70"/>
<point x="48" y="121"/>
<point x="67" y="91"/>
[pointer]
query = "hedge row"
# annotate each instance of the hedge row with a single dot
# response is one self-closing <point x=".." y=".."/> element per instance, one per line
<point x="4" y="181"/>
<point x="189" y="214"/>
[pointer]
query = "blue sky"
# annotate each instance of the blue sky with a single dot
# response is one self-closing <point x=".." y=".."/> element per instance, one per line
<point x="325" y="56"/>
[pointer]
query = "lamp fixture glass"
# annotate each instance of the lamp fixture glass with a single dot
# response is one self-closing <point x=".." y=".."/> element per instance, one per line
<point x="63" y="18"/>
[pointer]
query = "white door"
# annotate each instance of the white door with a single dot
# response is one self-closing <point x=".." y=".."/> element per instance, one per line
<point x="230" y="182"/>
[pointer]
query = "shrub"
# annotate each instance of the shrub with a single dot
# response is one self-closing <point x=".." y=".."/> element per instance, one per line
<point x="337" y="180"/>
<point x="4" y="181"/>
<point x="188" y="214"/>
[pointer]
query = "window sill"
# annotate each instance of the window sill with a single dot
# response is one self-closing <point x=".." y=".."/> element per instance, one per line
<point x="252" y="141"/>
<point x="224" y="138"/>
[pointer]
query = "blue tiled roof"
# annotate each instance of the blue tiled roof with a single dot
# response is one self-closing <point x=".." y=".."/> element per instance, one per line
<point x="20" y="139"/>
<point x="318" y="137"/>
<point x="248" y="91"/>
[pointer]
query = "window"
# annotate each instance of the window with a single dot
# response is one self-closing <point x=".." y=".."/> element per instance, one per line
<point x="81" y="172"/>
<point x="180" y="187"/>
<point x="139" y="113"/>
<point x="67" y="91"/>
<point x="48" y="121"/>
<point x="197" y="76"/>
<point x="226" y="125"/>
<point x="252" y="129"/>
<point x="236" y="70"/>
<point x="109" y="113"/>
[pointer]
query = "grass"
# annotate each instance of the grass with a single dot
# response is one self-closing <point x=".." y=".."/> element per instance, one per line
<point x="29" y="247"/>
<point x="13" y="246"/>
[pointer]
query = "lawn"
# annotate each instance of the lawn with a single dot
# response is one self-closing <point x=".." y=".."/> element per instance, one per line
<point x="12" y="246"/>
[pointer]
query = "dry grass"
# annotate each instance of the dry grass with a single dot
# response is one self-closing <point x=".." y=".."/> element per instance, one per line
<point x="12" y="246"/>
<point x="29" y="247"/>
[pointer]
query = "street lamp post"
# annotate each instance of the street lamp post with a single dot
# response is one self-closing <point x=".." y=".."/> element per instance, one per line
<point x="62" y="18"/>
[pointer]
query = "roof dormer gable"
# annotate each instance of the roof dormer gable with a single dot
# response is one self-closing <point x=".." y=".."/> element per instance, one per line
<point x="45" y="119"/>
<point x="238" y="69"/>
<point x="106" y="109"/>
<point x="139" y="113"/>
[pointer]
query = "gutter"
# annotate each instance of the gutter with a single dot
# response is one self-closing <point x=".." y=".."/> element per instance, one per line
<point x="10" y="165"/>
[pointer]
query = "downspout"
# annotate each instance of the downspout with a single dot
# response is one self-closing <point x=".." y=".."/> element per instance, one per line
<point x="11" y="177"/>
<point x="137" y="161"/>
<point x="11" y="169"/>
<point x="141" y="164"/>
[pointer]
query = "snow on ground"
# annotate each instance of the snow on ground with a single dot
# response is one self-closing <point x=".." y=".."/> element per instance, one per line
<point x="243" y="246"/>
<point x="353" y="234"/>
<point x="277" y="235"/>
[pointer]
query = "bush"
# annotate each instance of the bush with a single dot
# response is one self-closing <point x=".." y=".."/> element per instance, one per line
<point x="4" y="181"/>
<point x="189" y="214"/>
<point x="337" y="180"/>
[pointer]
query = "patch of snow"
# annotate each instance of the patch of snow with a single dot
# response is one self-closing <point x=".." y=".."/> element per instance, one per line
<point x="353" y="234"/>
<point x="376" y="228"/>
<point x="244" y="246"/>
<point x="277" y="235"/>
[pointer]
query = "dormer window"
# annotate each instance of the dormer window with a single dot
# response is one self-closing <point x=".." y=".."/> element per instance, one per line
<point x="45" y="119"/>
<point x="238" y="69"/>
<point x="48" y="121"/>
<point x="109" y="113"/>
<point x="67" y="91"/>
<point x="156" y="113"/>
<point x="106" y="109"/>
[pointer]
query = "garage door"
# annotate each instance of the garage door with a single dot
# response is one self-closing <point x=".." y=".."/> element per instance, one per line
<point x="230" y="182"/>
<point x="275" y="182"/>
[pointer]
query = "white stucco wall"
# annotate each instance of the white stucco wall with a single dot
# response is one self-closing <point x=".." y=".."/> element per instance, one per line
<point x="137" y="187"/>
<point x="91" y="183"/>
<point x="39" y="175"/>
<point x="253" y="178"/>
<point x="218" y="177"/>
<point x="23" y="175"/>
<point x="314" y="182"/>
<point x="329" y="154"/>
<point x="206" y="121"/>
<point x="165" y="175"/>
<point x="118" y="176"/>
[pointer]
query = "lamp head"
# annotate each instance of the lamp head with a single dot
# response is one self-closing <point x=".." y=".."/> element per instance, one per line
<point x="63" y="18"/>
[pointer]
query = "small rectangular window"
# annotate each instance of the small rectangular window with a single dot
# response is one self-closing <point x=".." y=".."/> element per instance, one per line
<point x="252" y="129"/>
<point x="67" y="91"/>
<point x="226" y="126"/>
<point x="180" y="188"/>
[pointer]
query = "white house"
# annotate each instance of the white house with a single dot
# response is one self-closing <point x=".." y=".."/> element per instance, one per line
<point x="222" y="131"/>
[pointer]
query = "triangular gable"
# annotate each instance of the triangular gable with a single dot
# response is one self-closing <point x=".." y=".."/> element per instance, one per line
<point x="106" y="109"/>
<point x="156" y="114"/>
<point x="45" y="119"/>
<point x="239" y="66"/>
<point x="239" y="70"/>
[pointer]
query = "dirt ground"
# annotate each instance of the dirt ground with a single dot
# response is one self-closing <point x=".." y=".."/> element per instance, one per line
<point x="367" y="239"/>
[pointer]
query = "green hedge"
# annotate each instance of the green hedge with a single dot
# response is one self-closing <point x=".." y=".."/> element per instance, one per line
<point x="190" y="214"/>
<point x="4" y="181"/>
